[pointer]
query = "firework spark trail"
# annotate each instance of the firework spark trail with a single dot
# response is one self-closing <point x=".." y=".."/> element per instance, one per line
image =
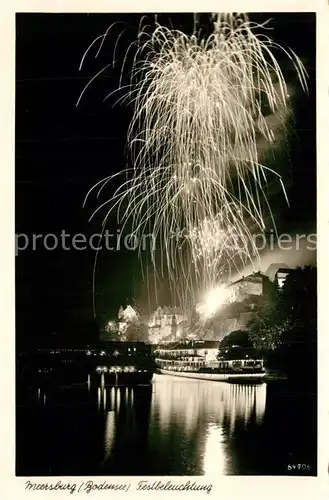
<point x="217" y="242"/>
<point x="198" y="117"/>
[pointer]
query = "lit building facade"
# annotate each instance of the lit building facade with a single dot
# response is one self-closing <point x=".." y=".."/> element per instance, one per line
<point x="126" y="317"/>
<point x="281" y="276"/>
<point x="246" y="294"/>
<point x="166" y="323"/>
<point x="255" y="284"/>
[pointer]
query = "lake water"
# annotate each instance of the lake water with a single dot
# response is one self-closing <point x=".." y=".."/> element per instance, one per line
<point x="175" y="427"/>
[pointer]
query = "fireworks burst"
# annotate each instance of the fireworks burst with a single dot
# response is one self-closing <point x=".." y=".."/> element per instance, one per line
<point x="197" y="122"/>
<point x="222" y="245"/>
<point x="212" y="301"/>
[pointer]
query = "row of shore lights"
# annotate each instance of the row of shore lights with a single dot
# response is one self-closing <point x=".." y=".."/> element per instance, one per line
<point x="116" y="353"/>
<point x="117" y="369"/>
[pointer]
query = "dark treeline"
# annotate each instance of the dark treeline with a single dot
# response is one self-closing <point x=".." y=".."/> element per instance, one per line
<point x="284" y="328"/>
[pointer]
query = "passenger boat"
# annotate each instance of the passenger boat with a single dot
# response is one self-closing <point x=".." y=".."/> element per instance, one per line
<point x="201" y="360"/>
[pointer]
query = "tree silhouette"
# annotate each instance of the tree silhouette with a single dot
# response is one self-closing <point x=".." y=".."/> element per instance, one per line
<point x="237" y="338"/>
<point x="291" y="308"/>
<point x="287" y="323"/>
<point x="237" y="345"/>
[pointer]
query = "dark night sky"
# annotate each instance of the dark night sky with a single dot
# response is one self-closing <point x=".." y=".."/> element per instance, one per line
<point x="61" y="151"/>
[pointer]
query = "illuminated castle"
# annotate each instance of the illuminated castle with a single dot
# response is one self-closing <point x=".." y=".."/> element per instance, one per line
<point x="166" y="323"/>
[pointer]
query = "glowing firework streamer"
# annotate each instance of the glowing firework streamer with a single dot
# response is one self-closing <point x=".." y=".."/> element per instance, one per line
<point x="197" y="122"/>
<point x="223" y="245"/>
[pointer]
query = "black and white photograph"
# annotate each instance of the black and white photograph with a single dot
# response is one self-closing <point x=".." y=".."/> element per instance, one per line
<point x="166" y="246"/>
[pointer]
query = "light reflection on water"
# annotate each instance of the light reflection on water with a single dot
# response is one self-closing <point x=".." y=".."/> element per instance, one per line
<point x="109" y="434"/>
<point x="201" y="410"/>
<point x="214" y="457"/>
<point x="175" y="426"/>
<point x="198" y="416"/>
